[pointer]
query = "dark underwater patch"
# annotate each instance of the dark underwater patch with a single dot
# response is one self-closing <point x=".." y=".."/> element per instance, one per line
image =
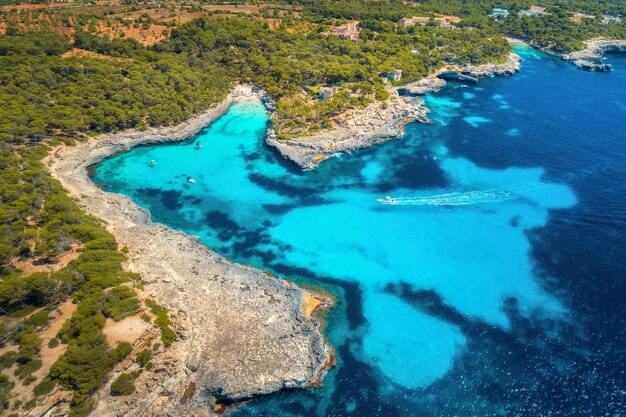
<point x="510" y="366"/>
<point x="279" y="187"/>
<point x="278" y="208"/>
<point x="169" y="198"/>
<point x="192" y="200"/>
<point x="219" y="220"/>
<point x="417" y="172"/>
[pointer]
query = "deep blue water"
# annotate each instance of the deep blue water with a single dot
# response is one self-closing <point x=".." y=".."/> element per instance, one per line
<point x="498" y="289"/>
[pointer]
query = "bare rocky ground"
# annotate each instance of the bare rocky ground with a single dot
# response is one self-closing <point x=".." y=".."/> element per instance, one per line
<point x="381" y="121"/>
<point x="591" y="58"/>
<point x="240" y="331"/>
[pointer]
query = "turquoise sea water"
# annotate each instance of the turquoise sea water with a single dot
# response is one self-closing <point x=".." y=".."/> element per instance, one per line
<point x="496" y="287"/>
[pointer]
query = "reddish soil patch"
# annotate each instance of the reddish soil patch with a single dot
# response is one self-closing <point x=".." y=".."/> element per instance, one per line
<point x="30" y="266"/>
<point x="77" y="52"/>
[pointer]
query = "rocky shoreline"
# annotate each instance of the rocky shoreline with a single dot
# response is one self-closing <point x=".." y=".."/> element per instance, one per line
<point x="382" y="121"/>
<point x="241" y="332"/>
<point x="592" y="57"/>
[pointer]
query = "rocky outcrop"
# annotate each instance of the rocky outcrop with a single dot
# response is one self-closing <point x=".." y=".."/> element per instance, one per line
<point x="509" y="67"/>
<point x="376" y="123"/>
<point x="457" y="76"/>
<point x="381" y="121"/>
<point x="424" y="86"/>
<point x="241" y="332"/>
<point x="591" y="58"/>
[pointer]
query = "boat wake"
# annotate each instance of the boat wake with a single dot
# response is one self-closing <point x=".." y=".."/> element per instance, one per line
<point x="465" y="198"/>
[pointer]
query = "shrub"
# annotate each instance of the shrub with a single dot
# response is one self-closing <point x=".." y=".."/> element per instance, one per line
<point x="163" y="322"/>
<point x="38" y="319"/>
<point x="44" y="387"/>
<point x="124" y="384"/>
<point x="143" y="357"/>
<point x="24" y="370"/>
<point x="8" y="359"/>
<point x="29" y="346"/>
<point x="123" y="350"/>
<point x="30" y="404"/>
<point x="120" y="302"/>
<point x="54" y="342"/>
<point x="5" y="391"/>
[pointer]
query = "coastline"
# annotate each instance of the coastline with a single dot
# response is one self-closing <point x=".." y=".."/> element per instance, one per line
<point x="591" y="58"/>
<point x="380" y="122"/>
<point x="240" y="332"/>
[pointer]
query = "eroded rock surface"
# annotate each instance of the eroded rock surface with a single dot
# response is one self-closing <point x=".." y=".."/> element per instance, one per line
<point x="592" y="57"/>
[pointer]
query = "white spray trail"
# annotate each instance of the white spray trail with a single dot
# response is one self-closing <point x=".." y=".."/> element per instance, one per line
<point x="459" y="198"/>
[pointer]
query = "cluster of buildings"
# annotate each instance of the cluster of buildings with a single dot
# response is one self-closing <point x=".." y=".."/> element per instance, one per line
<point x="534" y="11"/>
<point x="327" y="92"/>
<point x="447" y="22"/>
<point x="611" y="19"/>
<point x="394" y="75"/>
<point x="499" y="13"/>
<point x="349" y="30"/>
<point x="578" y="17"/>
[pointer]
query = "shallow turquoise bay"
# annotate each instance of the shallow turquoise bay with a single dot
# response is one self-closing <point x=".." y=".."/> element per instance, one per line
<point x="416" y="282"/>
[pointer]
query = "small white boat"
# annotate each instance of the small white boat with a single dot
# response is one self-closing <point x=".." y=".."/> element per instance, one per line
<point x="153" y="162"/>
<point x="191" y="180"/>
<point x="199" y="145"/>
<point x="386" y="200"/>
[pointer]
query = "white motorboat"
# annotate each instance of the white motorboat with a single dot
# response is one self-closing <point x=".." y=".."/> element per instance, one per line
<point x="386" y="200"/>
<point x="191" y="180"/>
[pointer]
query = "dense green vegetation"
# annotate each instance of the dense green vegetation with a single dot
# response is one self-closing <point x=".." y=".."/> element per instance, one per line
<point x="286" y="63"/>
<point x="40" y="220"/>
<point x="44" y="94"/>
<point x="124" y="384"/>
<point x="555" y="31"/>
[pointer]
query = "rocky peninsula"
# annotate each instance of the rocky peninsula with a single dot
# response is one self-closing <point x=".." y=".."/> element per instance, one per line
<point x="591" y="58"/>
<point x="382" y="121"/>
<point x="241" y="332"/>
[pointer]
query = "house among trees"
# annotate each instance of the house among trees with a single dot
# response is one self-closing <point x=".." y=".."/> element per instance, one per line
<point x="443" y="21"/>
<point x="348" y="30"/>
<point x="534" y="11"/>
<point x="606" y="19"/>
<point x="499" y="13"/>
<point x="327" y="92"/>
<point x="408" y="22"/>
<point x="447" y="22"/>
<point x="395" y="74"/>
<point x="578" y="17"/>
